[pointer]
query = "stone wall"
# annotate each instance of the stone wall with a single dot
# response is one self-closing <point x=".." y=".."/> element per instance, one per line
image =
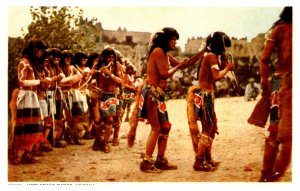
<point x="132" y="44"/>
<point x="127" y="37"/>
<point x="240" y="47"/>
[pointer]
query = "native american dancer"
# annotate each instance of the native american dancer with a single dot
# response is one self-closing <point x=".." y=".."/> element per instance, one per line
<point x="44" y="72"/>
<point x="280" y="41"/>
<point x="45" y="61"/>
<point x="27" y="129"/>
<point x="93" y="91"/>
<point x="80" y="62"/>
<point x="200" y="100"/>
<point x="55" y="100"/>
<point x="40" y="73"/>
<point x="108" y="77"/>
<point x="75" y="105"/>
<point x="151" y="98"/>
<point x="129" y="90"/>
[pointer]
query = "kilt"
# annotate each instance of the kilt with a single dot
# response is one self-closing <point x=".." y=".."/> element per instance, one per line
<point x="28" y="129"/>
<point x="79" y="102"/>
<point x="108" y="104"/>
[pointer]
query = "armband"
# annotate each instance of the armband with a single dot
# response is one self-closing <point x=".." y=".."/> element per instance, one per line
<point x="66" y="79"/>
<point x="62" y="75"/>
<point x="31" y="82"/>
<point x="93" y="81"/>
<point x="215" y="66"/>
<point x="270" y="39"/>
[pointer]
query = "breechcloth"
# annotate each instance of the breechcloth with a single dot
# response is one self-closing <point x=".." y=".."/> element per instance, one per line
<point x="108" y="104"/>
<point x="158" y="97"/>
<point x="274" y="115"/>
<point x="204" y="111"/>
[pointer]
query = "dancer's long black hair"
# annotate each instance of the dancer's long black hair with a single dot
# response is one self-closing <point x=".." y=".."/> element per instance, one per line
<point x="29" y="53"/>
<point x="286" y="16"/>
<point x="103" y="57"/>
<point x="217" y="42"/>
<point x="161" y="39"/>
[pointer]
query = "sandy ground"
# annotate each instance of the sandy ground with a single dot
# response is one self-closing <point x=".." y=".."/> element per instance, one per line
<point x="239" y="148"/>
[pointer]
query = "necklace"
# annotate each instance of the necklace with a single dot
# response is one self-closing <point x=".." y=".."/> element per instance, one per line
<point x="109" y="66"/>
